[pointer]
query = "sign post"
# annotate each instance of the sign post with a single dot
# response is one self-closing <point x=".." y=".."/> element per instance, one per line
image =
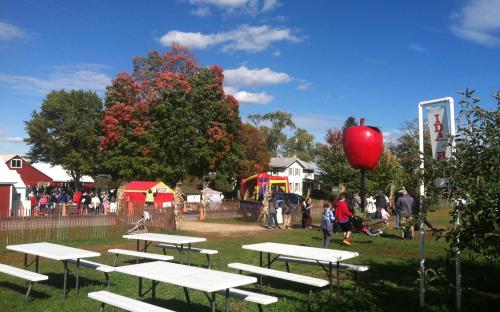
<point x="441" y="127"/>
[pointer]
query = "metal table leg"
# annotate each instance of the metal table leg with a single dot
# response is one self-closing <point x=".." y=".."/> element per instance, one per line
<point x="77" y="275"/>
<point x="65" y="262"/>
<point x="213" y="302"/>
<point x="140" y="288"/>
<point x="36" y="263"/>
<point x="227" y="299"/>
<point x="25" y="261"/>
<point x="182" y="253"/>
<point x="261" y="265"/>
<point x="189" y="254"/>
<point x="330" y="279"/>
<point x="338" y="285"/>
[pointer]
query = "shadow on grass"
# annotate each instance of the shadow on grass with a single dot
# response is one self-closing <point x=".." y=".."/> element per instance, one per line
<point x="178" y="305"/>
<point x="56" y="280"/>
<point x="34" y="294"/>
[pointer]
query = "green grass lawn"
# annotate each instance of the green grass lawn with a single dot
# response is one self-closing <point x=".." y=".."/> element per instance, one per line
<point x="389" y="285"/>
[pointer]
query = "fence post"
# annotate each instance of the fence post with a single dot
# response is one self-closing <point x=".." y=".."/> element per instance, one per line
<point x="64" y="211"/>
<point x="130" y="208"/>
<point x="202" y="213"/>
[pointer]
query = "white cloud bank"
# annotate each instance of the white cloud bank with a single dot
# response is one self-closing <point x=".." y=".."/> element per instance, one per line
<point x="251" y="7"/>
<point x="245" y="97"/>
<point x="478" y="21"/>
<point x="82" y="76"/>
<point x="10" y="32"/>
<point x="244" y="38"/>
<point x="236" y="78"/>
<point x="244" y="76"/>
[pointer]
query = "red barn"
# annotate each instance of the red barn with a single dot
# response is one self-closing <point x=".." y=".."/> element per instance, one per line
<point x="29" y="174"/>
<point x="8" y="192"/>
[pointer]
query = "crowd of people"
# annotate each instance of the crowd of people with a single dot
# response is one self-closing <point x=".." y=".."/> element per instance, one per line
<point x="346" y="214"/>
<point x="45" y="200"/>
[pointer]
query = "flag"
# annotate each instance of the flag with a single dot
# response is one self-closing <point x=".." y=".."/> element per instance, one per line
<point x="439" y="128"/>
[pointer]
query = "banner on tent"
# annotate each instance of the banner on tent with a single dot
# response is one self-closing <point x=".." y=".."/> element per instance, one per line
<point x="439" y="128"/>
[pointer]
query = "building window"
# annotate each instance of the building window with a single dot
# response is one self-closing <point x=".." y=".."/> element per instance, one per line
<point x="16" y="163"/>
<point x="290" y="171"/>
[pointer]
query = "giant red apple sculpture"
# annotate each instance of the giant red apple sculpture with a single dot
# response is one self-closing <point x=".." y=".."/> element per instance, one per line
<point x="363" y="146"/>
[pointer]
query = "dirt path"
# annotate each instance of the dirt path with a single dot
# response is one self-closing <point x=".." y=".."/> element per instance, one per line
<point x="221" y="229"/>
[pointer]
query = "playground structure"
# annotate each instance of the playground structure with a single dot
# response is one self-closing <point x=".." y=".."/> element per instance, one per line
<point x="254" y="187"/>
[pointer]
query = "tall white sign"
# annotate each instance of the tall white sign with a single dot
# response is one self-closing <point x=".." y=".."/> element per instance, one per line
<point x="439" y="128"/>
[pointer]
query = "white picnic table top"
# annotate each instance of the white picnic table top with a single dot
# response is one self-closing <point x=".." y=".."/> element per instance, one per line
<point x="187" y="276"/>
<point x="314" y="253"/>
<point x="53" y="251"/>
<point x="165" y="238"/>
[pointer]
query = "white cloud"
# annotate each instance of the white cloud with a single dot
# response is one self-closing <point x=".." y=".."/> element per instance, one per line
<point x="251" y="7"/>
<point x="303" y="85"/>
<point x="201" y="12"/>
<point x="418" y="48"/>
<point x="9" y="32"/>
<point x="245" y="38"/>
<point x="244" y="76"/>
<point x="14" y="139"/>
<point x="224" y="4"/>
<point x="478" y="21"/>
<point x="277" y="53"/>
<point x="391" y="136"/>
<point x="79" y="76"/>
<point x="270" y="5"/>
<point x="245" y="97"/>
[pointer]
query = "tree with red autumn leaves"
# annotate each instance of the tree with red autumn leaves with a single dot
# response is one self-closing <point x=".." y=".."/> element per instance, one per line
<point x="169" y="119"/>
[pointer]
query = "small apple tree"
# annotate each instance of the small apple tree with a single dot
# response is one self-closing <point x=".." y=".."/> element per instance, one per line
<point x="473" y="178"/>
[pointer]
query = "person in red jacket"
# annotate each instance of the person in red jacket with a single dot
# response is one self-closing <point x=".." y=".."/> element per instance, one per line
<point x="343" y="214"/>
<point x="77" y="199"/>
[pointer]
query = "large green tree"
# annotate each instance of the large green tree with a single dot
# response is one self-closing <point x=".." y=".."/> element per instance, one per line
<point x="472" y="175"/>
<point x="170" y="119"/>
<point x="407" y="151"/>
<point x="66" y="131"/>
<point x="333" y="164"/>
<point x="272" y="125"/>
<point x="300" y="144"/>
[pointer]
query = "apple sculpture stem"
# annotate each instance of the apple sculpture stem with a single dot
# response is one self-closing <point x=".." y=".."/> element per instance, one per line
<point x="363" y="146"/>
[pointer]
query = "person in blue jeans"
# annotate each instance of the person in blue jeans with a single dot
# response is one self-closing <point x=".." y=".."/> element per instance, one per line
<point x="272" y="214"/>
<point x="327" y="224"/>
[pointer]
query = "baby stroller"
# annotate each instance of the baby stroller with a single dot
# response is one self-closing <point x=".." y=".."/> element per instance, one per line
<point x="140" y="226"/>
<point x="359" y="225"/>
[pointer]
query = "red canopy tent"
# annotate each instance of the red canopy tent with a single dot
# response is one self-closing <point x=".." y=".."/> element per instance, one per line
<point x="134" y="192"/>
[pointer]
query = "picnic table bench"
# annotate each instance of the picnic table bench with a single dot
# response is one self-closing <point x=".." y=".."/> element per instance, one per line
<point x="204" y="251"/>
<point x="125" y="303"/>
<point x="138" y="255"/>
<point x="292" y="277"/>
<point x="31" y="277"/>
<point x="342" y="266"/>
<point x="259" y="299"/>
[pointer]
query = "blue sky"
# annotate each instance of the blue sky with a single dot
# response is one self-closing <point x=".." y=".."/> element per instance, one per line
<point x="320" y="60"/>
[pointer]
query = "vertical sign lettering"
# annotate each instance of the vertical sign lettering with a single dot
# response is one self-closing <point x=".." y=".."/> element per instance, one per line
<point x="439" y="130"/>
